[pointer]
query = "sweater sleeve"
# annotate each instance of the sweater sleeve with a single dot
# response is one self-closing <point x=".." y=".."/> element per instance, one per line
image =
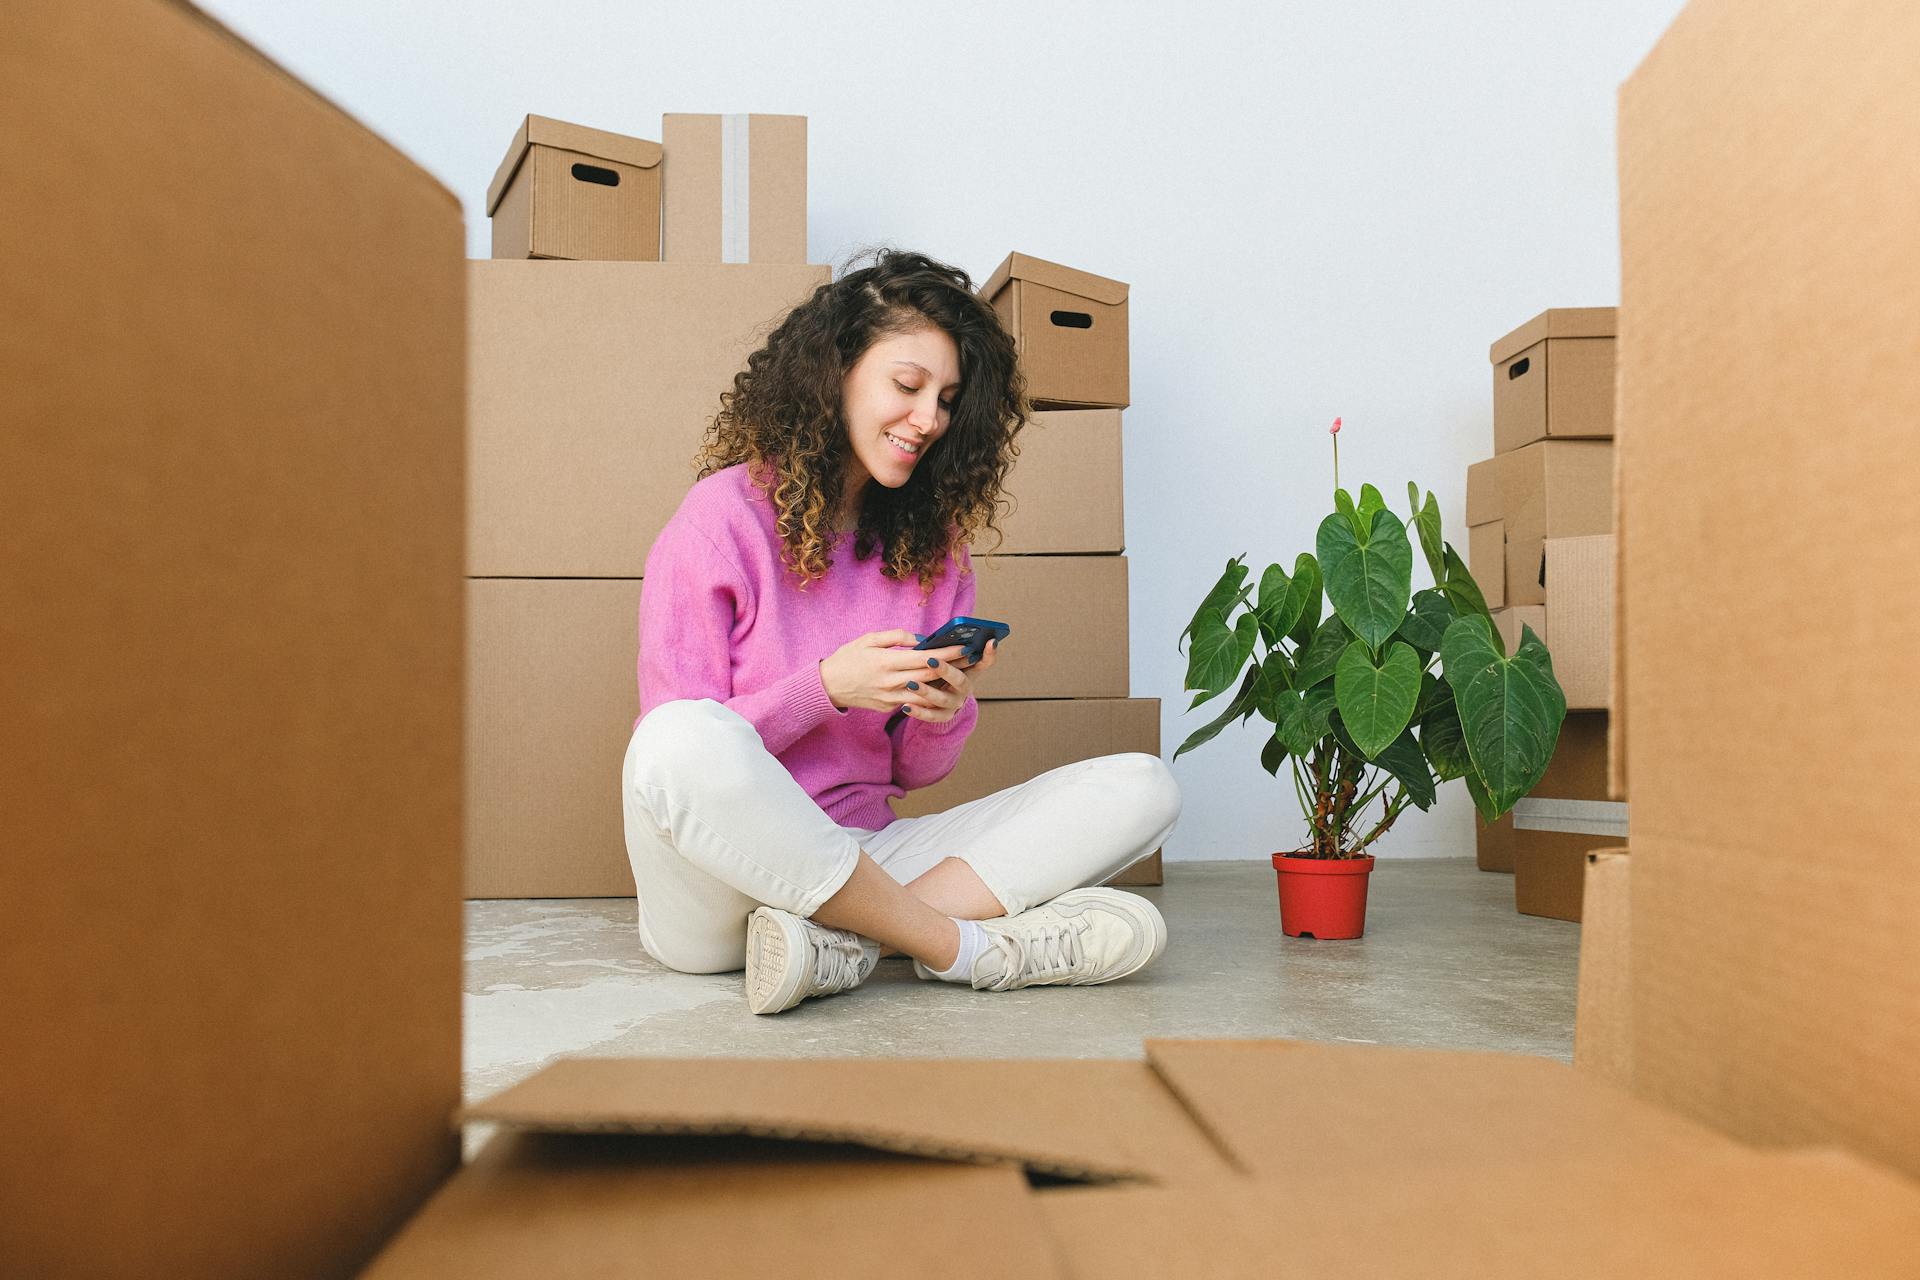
<point x="690" y="596"/>
<point x="924" y="752"/>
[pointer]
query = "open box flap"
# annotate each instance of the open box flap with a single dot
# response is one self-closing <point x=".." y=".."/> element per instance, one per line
<point x="1082" y="284"/>
<point x="1722" y="1213"/>
<point x="1057" y="1118"/>
<point x="1277" y="1106"/>
<point x="592" y="1205"/>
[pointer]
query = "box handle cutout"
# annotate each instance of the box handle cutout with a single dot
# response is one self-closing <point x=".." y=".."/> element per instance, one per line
<point x="1514" y="370"/>
<point x="1072" y="319"/>
<point x="595" y="174"/>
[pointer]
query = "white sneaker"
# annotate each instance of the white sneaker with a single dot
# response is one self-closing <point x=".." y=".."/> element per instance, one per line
<point x="790" y="958"/>
<point x="1082" y="937"/>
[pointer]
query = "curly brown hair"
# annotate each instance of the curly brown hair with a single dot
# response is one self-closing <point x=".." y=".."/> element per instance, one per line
<point x="784" y="417"/>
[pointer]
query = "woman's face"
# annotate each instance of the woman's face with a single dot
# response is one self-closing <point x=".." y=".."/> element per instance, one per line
<point x="896" y="400"/>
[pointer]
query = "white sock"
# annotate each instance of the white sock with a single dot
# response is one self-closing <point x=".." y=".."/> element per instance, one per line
<point x="973" y="940"/>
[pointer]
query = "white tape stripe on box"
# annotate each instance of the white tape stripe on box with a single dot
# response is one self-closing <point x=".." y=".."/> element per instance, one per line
<point x="1576" y="817"/>
<point x="735" y="196"/>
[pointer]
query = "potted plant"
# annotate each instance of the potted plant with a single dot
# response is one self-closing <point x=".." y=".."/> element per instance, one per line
<point x="1361" y="716"/>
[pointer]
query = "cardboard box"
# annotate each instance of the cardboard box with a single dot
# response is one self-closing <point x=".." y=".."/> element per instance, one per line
<point x="1771" y="704"/>
<point x="1485" y="502"/>
<point x="1064" y="490"/>
<point x="1553" y="489"/>
<point x="1553" y="378"/>
<point x="1070" y="327"/>
<point x="1508" y="622"/>
<point x="1069" y="620"/>
<point x="736" y="188"/>
<point x="1487" y="561"/>
<point x="1603" y="1025"/>
<point x="1015" y="741"/>
<point x="1167" y="1166"/>
<point x="1579" y="620"/>
<point x="1564" y="818"/>
<point x="591" y="387"/>
<point x="567" y="191"/>
<point x="1617" y="670"/>
<point x="231" y="463"/>
<point x="1493" y="843"/>
<point x="551" y="701"/>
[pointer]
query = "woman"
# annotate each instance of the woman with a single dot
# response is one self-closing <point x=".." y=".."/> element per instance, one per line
<point x="782" y="704"/>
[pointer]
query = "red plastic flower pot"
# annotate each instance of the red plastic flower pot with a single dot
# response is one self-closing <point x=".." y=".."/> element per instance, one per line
<point x="1323" y="897"/>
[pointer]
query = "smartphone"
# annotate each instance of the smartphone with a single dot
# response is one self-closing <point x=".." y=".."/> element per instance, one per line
<point x="971" y="632"/>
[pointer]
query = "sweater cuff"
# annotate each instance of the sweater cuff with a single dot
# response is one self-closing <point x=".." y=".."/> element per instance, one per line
<point x="803" y="696"/>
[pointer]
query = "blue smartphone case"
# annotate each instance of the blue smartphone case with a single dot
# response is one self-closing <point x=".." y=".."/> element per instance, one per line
<point x="971" y="632"/>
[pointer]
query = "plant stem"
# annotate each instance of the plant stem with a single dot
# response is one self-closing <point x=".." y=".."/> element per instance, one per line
<point x="1394" y="807"/>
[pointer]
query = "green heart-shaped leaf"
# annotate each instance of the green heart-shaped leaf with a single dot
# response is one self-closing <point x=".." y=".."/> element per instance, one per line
<point x="1242" y="701"/>
<point x="1344" y="508"/>
<point x="1426" y="625"/>
<point x="1306" y="583"/>
<point x="1462" y="589"/>
<point x="1371" y="504"/>
<point x="1305" y="719"/>
<point x="1217" y="653"/>
<point x="1510" y="708"/>
<point x="1426" y="523"/>
<point x="1271" y="686"/>
<point x="1273" y="755"/>
<point x="1444" y="741"/>
<point x="1403" y="759"/>
<point x="1220" y="598"/>
<point x="1321" y="657"/>
<point x="1376" y="703"/>
<point x="1369" y="583"/>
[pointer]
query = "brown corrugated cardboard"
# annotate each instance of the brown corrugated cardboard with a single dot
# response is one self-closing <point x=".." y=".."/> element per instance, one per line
<point x="1484" y="498"/>
<point x="1553" y="377"/>
<point x="1549" y="866"/>
<point x="723" y="1153"/>
<point x="1579" y="620"/>
<point x="736" y="188"/>
<point x="1603" y="1027"/>
<point x="591" y="386"/>
<point x="1617" y="669"/>
<point x="1552" y="489"/>
<point x="567" y="191"/>
<point x="1487" y="561"/>
<point x="230" y="479"/>
<point x="1065" y="487"/>
<point x="1692" y="1215"/>
<point x="551" y="701"/>
<point x="1769" y="271"/>
<point x="1493" y="843"/>
<point x="1015" y="741"/>
<point x="1070" y="327"/>
<point x="1069" y="620"/>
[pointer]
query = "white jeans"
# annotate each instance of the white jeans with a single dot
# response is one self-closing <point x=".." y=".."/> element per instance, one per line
<point x="716" y="826"/>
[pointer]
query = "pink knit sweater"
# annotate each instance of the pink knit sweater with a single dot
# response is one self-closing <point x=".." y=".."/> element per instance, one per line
<point x="722" y="618"/>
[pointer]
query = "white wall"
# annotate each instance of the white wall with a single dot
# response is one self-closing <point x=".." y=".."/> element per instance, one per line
<point x="1326" y="207"/>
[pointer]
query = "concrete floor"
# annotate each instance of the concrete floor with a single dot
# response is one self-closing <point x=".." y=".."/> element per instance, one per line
<point x="1446" y="962"/>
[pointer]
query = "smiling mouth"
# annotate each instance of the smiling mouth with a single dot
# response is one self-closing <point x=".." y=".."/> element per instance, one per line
<point x="911" y="450"/>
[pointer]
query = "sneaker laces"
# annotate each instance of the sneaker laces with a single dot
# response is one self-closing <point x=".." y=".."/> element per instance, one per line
<point x="837" y="960"/>
<point x="1040" y="954"/>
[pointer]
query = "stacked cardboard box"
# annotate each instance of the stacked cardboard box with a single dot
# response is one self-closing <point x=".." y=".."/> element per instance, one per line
<point x="1059" y="577"/>
<point x="1539" y="517"/>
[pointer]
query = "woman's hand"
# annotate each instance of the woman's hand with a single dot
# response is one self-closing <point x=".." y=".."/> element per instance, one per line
<point x="942" y="697"/>
<point x="882" y="672"/>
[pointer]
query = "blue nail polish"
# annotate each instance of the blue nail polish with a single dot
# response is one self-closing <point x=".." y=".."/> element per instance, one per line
<point x="918" y="636"/>
<point x="933" y="662"/>
<point x="913" y="684"/>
